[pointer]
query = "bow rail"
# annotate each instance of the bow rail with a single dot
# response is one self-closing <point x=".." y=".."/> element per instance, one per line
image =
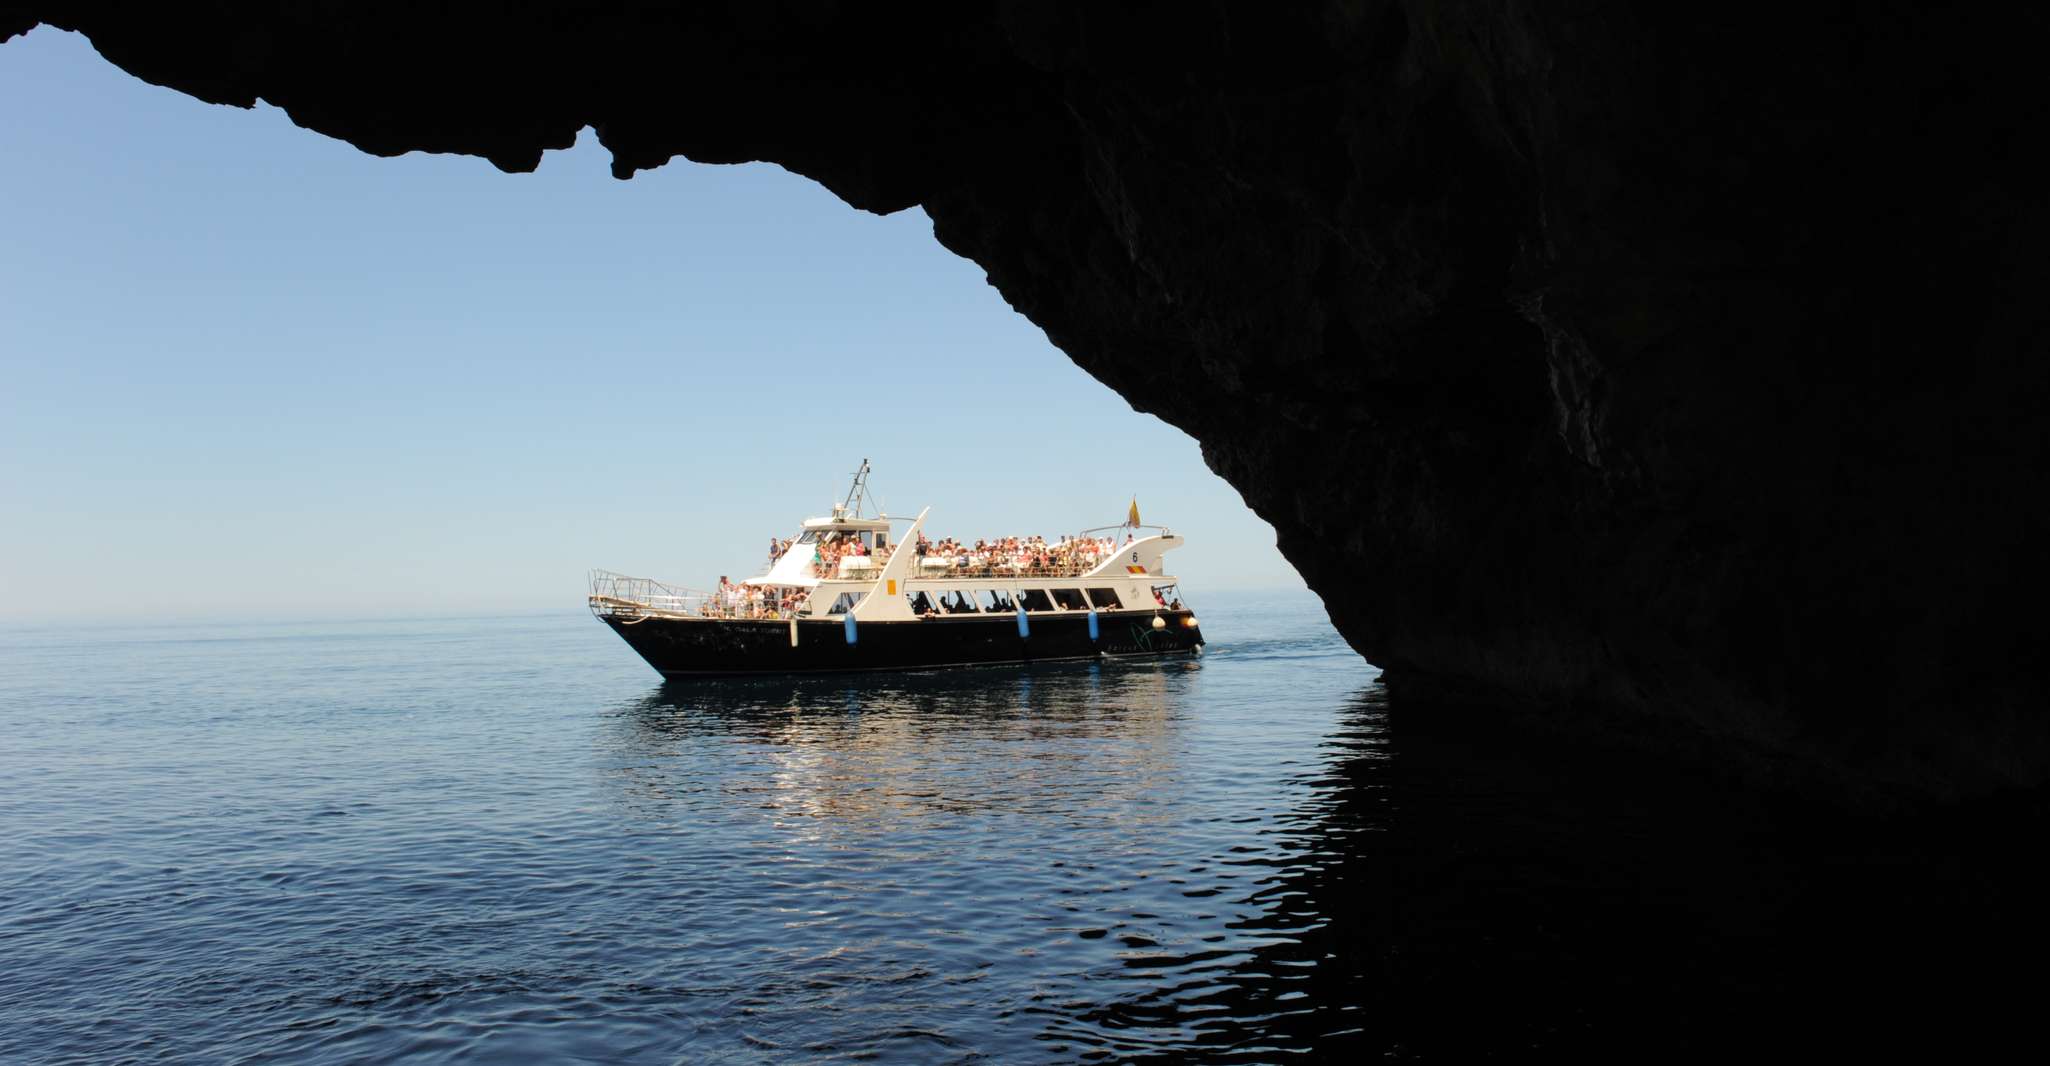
<point x="641" y="597"/>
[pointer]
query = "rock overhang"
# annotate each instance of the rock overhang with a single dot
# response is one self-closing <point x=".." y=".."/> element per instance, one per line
<point x="1682" y="368"/>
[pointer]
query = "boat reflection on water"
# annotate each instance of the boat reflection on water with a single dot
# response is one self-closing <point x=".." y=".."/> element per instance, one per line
<point x="867" y="745"/>
<point x="1084" y="696"/>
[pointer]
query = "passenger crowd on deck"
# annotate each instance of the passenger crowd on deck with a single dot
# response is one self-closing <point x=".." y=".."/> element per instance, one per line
<point x="1003" y="557"/>
<point x="732" y="600"/>
<point x="1015" y="556"/>
<point x="827" y="554"/>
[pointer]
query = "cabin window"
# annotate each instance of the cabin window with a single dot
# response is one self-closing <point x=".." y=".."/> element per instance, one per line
<point x="809" y="536"/>
<point x="1168" y="596"/>
<point x="956" y="602"/>
<point x="1070" y="600"/>
<point x="1036" y="600"/>
<point x="1105" y="599"/>
<point x="994" y="600"/>
<point x="845" y="603"/>
<point x="923" y="603"/>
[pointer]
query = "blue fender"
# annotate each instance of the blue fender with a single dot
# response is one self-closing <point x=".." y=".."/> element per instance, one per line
<point x="850" y="627"/>
<point x="1092" y="623"/>
<point x="1024" y="627"/>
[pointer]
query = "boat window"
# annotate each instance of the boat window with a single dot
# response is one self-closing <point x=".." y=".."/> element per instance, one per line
<point x="956" y="602"/>
<point x="994" y="600"/>
<point x="922" y="603"/>
<point x="1168" y="596"/>
<point x="1035" y="600"/>
<point x="1104" y="599"/>
<point x="809" y="536"/>
<point x="1070" y="600"/>
<point x="845" y="603"/>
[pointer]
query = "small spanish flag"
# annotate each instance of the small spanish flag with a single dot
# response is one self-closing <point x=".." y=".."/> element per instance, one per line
<point x="1132" y="518"/>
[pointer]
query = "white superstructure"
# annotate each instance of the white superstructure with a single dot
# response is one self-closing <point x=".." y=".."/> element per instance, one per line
<point x="851" y="564"/>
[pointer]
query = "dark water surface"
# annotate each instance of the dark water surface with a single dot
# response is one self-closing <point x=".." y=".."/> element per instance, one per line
<point x="503" y="840"/>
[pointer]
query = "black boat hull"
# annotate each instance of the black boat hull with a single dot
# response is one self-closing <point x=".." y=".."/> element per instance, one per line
<point x="709" y="647"/>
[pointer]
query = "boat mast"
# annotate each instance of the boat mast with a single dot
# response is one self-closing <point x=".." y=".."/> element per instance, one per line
<point x="855" y="492"/>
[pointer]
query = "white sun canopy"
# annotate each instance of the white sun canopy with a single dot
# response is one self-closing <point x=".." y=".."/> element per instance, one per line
<point x="794" y="568"/>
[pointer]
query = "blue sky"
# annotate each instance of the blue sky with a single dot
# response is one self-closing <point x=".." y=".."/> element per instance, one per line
<point x="247" y="369"/>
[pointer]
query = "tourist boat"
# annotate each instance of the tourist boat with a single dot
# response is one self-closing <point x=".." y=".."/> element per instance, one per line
<point x="849" y="593"/>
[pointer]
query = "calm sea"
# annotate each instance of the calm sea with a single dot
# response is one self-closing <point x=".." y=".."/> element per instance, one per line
<point x="503" y="839"/>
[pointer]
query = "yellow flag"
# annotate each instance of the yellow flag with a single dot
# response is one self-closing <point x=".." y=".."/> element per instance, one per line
<point x="1133" y="518"/>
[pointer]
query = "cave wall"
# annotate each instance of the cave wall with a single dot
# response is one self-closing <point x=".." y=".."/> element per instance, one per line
<point x="1674" y="369"/>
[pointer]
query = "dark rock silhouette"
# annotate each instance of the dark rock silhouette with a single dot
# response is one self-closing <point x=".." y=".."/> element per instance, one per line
<point x="1676" y="370"/>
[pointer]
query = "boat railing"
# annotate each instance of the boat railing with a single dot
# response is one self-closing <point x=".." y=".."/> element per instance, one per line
<point x="618" y="594"/>
<point x="986" y="564"/>
<point x="936" y="566"/>
<point x="1065" y="559"/>
<point x="983" y="569"/>
<point x="1127" y="528"/>
<point x="1068" y="559"/>
<point x="640" y="598"/>
<point x="859" y="567"/>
